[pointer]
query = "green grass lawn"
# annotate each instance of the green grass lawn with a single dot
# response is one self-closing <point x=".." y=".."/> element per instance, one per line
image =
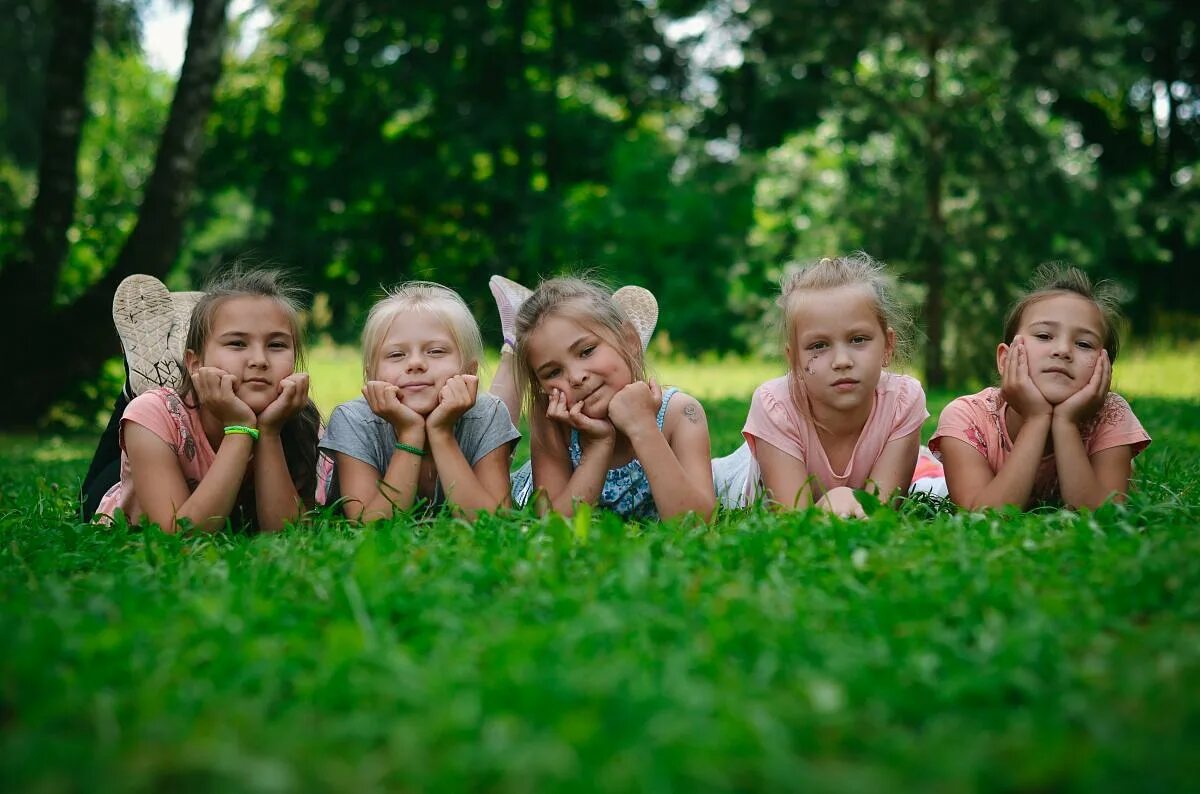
<point x="918" y="650"/>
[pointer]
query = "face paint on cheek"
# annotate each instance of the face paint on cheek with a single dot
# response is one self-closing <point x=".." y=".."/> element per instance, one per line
<point x="810" y="368"/>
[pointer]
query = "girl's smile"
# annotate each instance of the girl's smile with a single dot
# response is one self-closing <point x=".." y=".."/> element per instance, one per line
<point x="567" y="356"/>
<point x="417" y="356"/>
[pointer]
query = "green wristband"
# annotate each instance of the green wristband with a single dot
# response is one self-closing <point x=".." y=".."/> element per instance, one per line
<point x="242" y="430"/>
<point x="410" y="448"/>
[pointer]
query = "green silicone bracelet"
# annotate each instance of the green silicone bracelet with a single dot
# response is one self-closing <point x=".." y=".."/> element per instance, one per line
<point x="410" y="448"/>
<point x="242" y="430"/>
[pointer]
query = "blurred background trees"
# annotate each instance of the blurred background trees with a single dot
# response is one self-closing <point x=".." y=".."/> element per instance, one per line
<point x="693" y="147"/>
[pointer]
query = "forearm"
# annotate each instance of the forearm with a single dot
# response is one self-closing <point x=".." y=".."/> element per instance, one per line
<point x="673" y="491"/>
<point x="209" y="506"/>
<point x="275" y="495"/>
<point x="396" y="490"/>
<point x="460" y="483"/>
<point x="585" y="483"/>
<point x="1013" y="484"/>
<point x="1077" y="480"/>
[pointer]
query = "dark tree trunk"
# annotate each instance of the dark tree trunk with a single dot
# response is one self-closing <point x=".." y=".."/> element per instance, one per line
<point x="29" y="280"/>
<point x="72" y="342"/>
<point x="935" y="271"/>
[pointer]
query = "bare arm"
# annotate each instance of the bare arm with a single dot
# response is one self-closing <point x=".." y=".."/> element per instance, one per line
<point x="677" y="459"/>
<point x="474" y="489"/>
<point x="894" y="469"/>
<point x="1084" y="481"/>
<point x="1089" y="482"/>
<point x="163" y="492"/>
<point x="971" y="482"/>
<point x="366" y="496"/>
<point x="785" y="478"/>
<point x="276" y="500"/>
<point x="552" y="472"/>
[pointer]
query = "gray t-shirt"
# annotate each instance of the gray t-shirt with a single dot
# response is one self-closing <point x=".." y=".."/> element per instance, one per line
<point x="356" y="431"/>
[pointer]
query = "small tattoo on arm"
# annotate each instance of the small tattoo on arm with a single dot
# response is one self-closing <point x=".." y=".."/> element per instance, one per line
<point x="690" y="412"/>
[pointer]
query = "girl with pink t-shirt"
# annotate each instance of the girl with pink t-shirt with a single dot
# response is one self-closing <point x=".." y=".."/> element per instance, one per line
<point x="1052" y="432"/>
<point x="837" y="421"/>
<point x="238" y="439"/>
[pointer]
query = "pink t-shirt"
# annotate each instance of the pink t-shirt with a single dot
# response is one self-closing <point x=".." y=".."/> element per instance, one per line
<point x="784" y="421"/>
<point x="978" y="419"/>
<point x="163" y="413"/>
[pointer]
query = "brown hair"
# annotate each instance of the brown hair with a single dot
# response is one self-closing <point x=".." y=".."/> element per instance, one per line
<point x="299" y="434"/>
<point x="586" y="301"/>
<point x="1060" y="278"/>
<point x="857" y="269"/>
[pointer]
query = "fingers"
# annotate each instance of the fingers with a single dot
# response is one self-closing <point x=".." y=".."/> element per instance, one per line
<point x="556" y="407"/>
<point x="656" y="393"/>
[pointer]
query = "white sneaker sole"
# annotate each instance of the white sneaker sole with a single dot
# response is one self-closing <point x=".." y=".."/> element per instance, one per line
<point x="144" y="314"/>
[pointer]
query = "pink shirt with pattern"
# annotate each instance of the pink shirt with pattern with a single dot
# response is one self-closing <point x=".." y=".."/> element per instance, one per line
<point x="784" y="421"/>
<point x="162" y="412"/>
<point x="978" y="419"/>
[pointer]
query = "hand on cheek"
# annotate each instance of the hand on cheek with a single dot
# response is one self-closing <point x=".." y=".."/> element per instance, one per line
<point x="589" y="429"/>
<point x="1085" y="403"/>
<point x="385" y="402"/>
<point x="216" y="390"/>
<point x="291" y="399"/>
<point x="1017" y="386"/>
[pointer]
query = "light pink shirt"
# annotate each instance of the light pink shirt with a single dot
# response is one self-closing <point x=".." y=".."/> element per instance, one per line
<point x="162" y="412"/>
<point x="784" y="421"/>
<point x="978" y="419"/>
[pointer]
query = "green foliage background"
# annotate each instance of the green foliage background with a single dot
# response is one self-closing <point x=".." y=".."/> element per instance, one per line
<point x="693" y="147"/>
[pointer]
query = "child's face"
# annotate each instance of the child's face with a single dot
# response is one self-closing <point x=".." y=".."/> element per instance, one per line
<point x="1064" y="336"/>
<point x="251" y="339"/>
<point x="567" y="356"/>
<point x="838" y="348"/>
<point x="418" y="355"/>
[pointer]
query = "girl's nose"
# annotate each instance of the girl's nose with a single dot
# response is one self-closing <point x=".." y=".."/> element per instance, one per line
<point x="416" y="363"/>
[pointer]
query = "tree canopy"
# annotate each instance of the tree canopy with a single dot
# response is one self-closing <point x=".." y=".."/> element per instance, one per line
<point x="696" y="148"/>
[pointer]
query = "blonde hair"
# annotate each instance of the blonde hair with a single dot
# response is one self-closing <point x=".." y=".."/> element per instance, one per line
<point x="857" y="269"/>
<point x="423" y="296"/>
<point x="1058" y="278"/>
<point x="587" y="302"/>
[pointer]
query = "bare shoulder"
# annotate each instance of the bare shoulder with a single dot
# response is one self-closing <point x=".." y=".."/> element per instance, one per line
<point x="684" y="411"/>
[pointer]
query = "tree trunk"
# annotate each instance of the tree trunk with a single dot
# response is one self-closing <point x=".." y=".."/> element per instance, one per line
<point x="72" y="342"/>
<point x="935" y="367"/>
<point x="28" y="281"/>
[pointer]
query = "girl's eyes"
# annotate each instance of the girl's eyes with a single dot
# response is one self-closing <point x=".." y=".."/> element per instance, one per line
<point x="587" y="351"/>
<point x="1086" y="345"/>
<point x="280" y="346"/>
<point x="1041" y="335"/>
<point x="437" y="351"/>
<point x="552" y="374"/>
<point x="817" y="346"/>
<point x="860" y="339"/>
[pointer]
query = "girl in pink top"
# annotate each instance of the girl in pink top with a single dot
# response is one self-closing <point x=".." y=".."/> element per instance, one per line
<point x="1052" y="431"/>
<point x="240" y="434"/>
<point x="837" y="421"/>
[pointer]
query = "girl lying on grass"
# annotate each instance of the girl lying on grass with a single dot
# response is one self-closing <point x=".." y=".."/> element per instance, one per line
<point x="601" y="431"/>
<point x="1052" y="432"/>
<point x="837" y="421"/>
<point x="237" y="439"/>
<point x="421" y="431"/>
